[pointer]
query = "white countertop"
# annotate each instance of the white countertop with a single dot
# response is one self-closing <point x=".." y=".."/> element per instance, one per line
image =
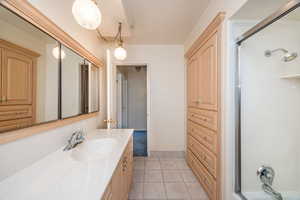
<point x="59" y="176"/>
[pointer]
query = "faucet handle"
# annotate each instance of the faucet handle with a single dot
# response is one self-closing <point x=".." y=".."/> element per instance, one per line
<point x="80" y="135"/>
<point x="266" y="174"/>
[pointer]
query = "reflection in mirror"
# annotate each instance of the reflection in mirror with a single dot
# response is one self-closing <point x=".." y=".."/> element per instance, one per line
<point x="29" y="74"/>
<point x="93" y="88"/>
<point x="74" y="84"/>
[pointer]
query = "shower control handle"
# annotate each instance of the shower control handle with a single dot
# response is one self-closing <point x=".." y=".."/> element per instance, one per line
<point x="266" y="175"/>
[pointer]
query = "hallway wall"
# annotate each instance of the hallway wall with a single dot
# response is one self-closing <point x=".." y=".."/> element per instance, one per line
<point x="167" y="93"/>
<point x="137" y="99"/>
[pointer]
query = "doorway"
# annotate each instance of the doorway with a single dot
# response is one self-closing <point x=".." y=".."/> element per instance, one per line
<point x="132" y="104"/>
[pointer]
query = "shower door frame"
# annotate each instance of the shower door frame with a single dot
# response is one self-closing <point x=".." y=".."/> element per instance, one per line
<point x="283" y="11"/>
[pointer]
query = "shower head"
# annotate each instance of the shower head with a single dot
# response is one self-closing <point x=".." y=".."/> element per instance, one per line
<point x="287" y="57"/>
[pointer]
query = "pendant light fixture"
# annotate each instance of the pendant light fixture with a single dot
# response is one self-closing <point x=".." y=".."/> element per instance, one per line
<point x="120" y="53"/>
<point x="87" y="14"/>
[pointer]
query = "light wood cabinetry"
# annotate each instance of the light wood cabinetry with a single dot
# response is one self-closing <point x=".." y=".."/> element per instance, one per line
<point x="203" y="116"/>
<point x="120" y="185"/>
<point x="18" y="83"/>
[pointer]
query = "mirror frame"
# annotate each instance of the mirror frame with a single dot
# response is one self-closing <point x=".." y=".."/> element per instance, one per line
<point x="29" y="13"/>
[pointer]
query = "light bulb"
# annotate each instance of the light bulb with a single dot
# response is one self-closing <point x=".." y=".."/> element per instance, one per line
<point x="120" y="53"/>
<point x="86" y="14"/>
<point x="55" y="53"/>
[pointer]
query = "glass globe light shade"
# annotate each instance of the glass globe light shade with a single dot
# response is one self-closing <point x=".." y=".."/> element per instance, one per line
<point x="120" y="53"/>
<point x="86" y="14"/>
<point x="55" y="53"/>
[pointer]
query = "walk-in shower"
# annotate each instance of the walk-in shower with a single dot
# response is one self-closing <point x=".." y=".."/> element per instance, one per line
<point x="267" y="104"/>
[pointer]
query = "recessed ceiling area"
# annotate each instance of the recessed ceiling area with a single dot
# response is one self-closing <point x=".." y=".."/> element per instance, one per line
<point x="162" y="22"/>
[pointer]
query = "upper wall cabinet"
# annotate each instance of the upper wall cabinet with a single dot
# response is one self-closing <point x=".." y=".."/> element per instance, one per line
<point x="202" y="74"/>
<point x="40" y="79"/>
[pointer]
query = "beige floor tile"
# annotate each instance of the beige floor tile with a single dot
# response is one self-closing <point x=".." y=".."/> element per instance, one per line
<point x="137" y="191"/>
<point x="139" y="164"/>
<point x="168" y="164"/>
<point x="196" y="191"/>
<point x="152" y="164"/>
<point x="188" y="176"/>
<point x="181" y="164"/>
<point x="172" y="176"/>
<point x="177" y="191"/>
<point x="151" y="158"/>
<point x="154" y="191"/>
<point x="139" y="158"/>
<point x="153" y="176"/>
<point x="138" y="175"/>
<point x="154" y="154"/>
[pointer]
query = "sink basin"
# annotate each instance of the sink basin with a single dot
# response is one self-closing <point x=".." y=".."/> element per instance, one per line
<point x="93" y="149"/>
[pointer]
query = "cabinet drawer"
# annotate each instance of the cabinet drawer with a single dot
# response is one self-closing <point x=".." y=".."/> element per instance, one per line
<point x="206" y="180"/>
<point x="208" y="159"/>
<point x="15" y="124"/>
<point x="189" y="158"/>
<point x="15" y="112"/>
<point x="205" y="136"/>
<point x="205" y="118"/>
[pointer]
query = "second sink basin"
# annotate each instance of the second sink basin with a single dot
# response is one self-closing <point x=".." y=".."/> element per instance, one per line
<point x="94" y="149"/>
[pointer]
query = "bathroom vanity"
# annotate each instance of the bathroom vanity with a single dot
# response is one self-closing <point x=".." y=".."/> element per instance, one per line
<point x="99" y="168"/>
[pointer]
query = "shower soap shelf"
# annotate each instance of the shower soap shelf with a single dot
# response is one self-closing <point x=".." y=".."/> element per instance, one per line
<point x="290" y="76"/>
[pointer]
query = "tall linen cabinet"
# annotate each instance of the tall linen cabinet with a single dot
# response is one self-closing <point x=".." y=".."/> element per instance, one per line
<point x="203" y="108"/>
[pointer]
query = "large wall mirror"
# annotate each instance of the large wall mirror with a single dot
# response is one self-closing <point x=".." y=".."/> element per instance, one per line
<point x="40" y="79"/>
<point x="72" y="83"/>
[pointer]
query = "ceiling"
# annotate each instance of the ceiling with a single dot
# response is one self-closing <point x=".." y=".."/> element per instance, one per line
<point x="112" y="13"/>
<point x="162" y="21"/>
<point x="144" y="21"/>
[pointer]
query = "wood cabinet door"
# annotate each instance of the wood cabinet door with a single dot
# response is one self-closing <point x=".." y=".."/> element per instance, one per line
<point x="208" y="75"/>
<point x="192" y="81"/>
<point x="1" y="55"/>
<point x="17" y="78"/>
<point x="117" y="183"/>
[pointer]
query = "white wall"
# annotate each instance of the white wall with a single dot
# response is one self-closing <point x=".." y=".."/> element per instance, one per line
<point x="270" y="106"/>
<point x="137" y="99"/>
<point x="167" y="87"/>
<point x="17" y="155"/>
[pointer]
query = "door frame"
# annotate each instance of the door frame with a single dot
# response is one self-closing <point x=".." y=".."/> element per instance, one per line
<point x="148" y="85"/>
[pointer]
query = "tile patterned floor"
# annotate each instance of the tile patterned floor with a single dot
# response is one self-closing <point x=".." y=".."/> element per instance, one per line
<point x="164" y="175"/>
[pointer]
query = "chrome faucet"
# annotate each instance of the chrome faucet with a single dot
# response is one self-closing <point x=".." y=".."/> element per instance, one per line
<point x="76" y="138"/>
<point x="266" y="175"/>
